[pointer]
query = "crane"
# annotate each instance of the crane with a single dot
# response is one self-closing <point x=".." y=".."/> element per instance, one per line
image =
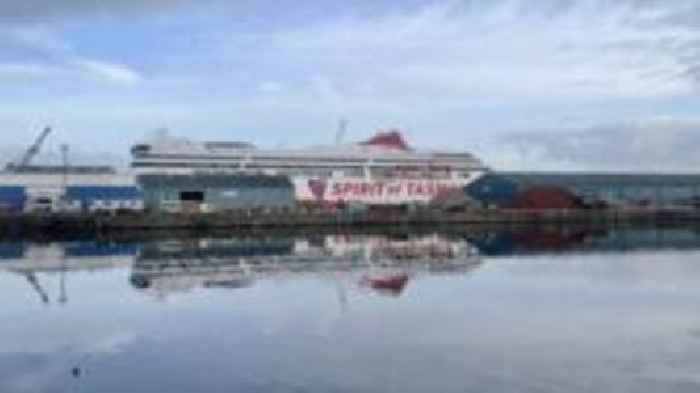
<point x="32" y="151"/>
<point x="34" y="148"/>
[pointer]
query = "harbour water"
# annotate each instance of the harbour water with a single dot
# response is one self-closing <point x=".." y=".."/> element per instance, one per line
<point x="559" y="310"/>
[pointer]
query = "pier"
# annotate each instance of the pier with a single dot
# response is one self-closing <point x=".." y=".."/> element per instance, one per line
<point x="295" y="219"/>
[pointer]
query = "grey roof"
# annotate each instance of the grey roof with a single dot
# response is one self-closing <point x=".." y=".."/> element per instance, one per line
<point x="59" y="169"/>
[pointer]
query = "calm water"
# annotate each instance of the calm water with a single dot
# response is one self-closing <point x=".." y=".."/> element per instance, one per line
<point x="571" y="311"/>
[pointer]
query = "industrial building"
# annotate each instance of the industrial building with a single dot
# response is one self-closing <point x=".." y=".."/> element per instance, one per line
<point x="659" y="190"/>
<point x="215" y="192"/>
<point x="83" y="189"/>
<point x="594" y="189"/>
<point x="103" y="197"/>
<point x="25" y="187"/>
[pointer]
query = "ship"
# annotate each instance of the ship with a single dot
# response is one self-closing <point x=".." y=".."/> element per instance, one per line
<point x="382" y="170"/>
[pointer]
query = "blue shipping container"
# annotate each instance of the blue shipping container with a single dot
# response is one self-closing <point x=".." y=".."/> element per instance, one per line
<point x="12" y="197"/>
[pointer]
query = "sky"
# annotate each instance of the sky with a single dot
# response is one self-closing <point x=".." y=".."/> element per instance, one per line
<point x="610" y="85"/>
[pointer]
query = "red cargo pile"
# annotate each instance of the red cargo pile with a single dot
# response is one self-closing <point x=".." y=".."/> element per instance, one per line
<point x="546" y="197"/>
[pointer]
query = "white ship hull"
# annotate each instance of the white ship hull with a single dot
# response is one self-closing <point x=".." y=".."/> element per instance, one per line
<point x="375" y="192"/>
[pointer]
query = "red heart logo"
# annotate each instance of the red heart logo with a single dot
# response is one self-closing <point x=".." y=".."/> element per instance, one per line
<point x="318" y="188"/>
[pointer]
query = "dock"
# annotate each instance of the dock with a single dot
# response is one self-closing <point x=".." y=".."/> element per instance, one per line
<point x="293" y="219"/>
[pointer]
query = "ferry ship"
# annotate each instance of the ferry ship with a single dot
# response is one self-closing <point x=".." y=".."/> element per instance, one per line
<point x="384" y="169"/>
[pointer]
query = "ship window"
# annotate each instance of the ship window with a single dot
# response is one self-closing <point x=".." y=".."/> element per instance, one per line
<point x="140" y="149"/>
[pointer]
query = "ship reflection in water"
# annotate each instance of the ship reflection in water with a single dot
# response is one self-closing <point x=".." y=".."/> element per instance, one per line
<point x="381" y="263"/>
<point x="546" y="310"/>
<point x="385" y="264"/>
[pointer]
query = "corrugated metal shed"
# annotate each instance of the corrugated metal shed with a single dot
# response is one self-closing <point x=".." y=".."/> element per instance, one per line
<point x="618" y="188"/>
<point x="217" y="192"/>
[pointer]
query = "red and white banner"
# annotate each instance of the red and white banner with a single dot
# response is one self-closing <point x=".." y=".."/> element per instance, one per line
<point x="373" y="192"/>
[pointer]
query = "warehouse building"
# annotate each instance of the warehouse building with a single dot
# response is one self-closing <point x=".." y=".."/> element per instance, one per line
<point x="626" y="190"/>
<point x="215" y="192"/>
<point x="103" y="198"/>
<point x="53" y="189"/>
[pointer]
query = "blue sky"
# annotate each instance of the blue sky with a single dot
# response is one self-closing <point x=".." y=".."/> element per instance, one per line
<point x="525" y="84"/>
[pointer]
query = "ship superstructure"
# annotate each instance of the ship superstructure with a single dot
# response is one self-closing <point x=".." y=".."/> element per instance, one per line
<point x="382" y="170"/>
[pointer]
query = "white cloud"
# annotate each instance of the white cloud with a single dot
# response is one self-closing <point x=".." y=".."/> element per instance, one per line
<point x="76" y="68"/>
<point x="39" y="37"/>
<point x="15" y="71"/>
<point x="450" y="50"/>
<point x="47" y="55"/>
<point x="27" y="11"/>
<point x="660" y="144"/>
<point x="109" y="71"/>
<point x="451" y="72"/>
<point x="270" y="87"/>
